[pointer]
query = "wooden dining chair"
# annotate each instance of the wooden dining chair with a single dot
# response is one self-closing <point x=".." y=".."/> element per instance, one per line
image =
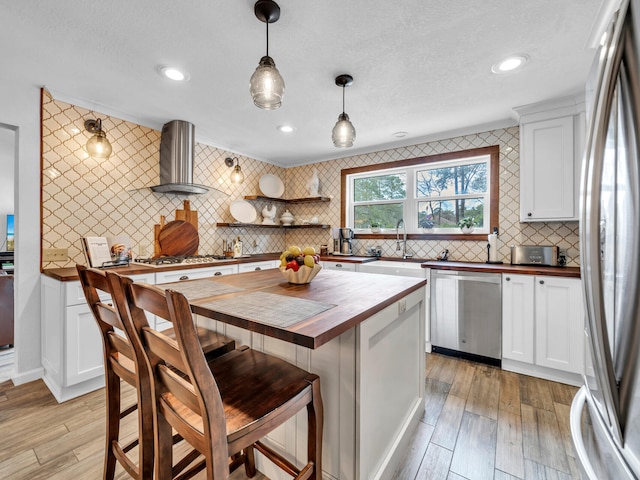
<point x="122" y="357"/>
<point x="224" y="405"/>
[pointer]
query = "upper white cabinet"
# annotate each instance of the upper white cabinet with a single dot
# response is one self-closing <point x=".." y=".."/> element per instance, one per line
<point x="551" y="148"/>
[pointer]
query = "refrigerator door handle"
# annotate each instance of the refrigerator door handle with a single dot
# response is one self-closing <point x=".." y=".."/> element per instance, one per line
<point x="575" y="421"/>
<point x="578" y="405"/>
<point x="610" y="56"/>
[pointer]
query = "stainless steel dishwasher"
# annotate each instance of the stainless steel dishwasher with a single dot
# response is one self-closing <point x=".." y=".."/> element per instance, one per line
<point x="466" y="314"/>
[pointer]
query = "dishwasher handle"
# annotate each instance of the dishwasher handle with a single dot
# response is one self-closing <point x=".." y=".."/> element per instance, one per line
<point x="467" y="277"/>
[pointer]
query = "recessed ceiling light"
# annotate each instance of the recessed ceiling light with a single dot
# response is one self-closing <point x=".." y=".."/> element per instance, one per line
<point x="286" y="128"/>
<point x="509" y="64"/>
<point x="400" y="134"/>
<point x="173" y="73"/>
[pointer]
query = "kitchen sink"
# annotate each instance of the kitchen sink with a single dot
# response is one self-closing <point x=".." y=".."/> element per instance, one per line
<point x="387" y="267"/>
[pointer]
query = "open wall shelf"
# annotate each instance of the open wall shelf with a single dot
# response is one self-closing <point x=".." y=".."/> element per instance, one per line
<point x="290" y="200"/>
<point x="259" y="225"/>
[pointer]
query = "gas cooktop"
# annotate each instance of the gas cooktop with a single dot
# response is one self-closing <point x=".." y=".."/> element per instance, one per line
<point x="194" y="259"/>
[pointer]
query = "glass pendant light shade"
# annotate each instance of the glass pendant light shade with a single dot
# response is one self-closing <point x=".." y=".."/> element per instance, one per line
<point x="98" y="146"/>
<point x="237" y="176"/>
<point x="343" y="133"/>
<point x="266" y="85"/>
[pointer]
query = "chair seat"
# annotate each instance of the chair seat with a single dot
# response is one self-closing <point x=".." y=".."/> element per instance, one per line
<point x="213" y="343"/>
<point x="253" y="386"/>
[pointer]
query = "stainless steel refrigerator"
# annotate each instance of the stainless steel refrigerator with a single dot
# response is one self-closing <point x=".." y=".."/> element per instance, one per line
<point x="605" y="414"/>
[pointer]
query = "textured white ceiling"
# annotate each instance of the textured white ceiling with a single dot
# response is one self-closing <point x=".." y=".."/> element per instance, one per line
<point x="420" y="66"/>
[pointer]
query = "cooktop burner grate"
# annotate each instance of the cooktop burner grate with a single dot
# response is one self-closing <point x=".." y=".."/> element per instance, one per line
<point x="167" y="260"/>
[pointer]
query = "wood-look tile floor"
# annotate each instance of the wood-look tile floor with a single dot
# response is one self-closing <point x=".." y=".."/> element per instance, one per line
<point x="42" y="439"/>
<point x="480" y="423"/>
<point x="484" y="423"/>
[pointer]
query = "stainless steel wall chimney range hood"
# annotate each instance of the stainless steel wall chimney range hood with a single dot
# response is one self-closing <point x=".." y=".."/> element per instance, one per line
<point x="177" y="143"/>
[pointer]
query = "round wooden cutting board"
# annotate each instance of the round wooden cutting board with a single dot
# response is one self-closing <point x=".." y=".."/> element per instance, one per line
<point x="178" y="238"/>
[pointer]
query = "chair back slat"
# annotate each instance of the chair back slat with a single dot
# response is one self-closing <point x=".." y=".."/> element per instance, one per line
<point x="163" y="347"/>
<point x="120" y="344"/>
<point x="179" y="387"/>
<point x="151" y="300"/>
<point x="107" y="314"/>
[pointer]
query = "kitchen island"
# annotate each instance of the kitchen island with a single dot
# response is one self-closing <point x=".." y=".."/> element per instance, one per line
<point x="365" y="344"/>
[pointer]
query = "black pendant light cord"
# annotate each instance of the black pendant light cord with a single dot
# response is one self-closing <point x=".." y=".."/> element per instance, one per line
<point x="267" y="38"/>
<point x="343" y="99"/>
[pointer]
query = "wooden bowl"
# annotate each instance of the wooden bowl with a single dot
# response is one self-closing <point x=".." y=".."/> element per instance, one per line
<point x="303" y="275"/>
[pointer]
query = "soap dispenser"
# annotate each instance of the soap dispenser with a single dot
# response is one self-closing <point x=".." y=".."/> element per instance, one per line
<point x="237" y="248"/>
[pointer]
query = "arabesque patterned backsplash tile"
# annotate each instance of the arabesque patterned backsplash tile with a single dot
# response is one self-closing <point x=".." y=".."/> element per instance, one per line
<point x="83" y="197"/>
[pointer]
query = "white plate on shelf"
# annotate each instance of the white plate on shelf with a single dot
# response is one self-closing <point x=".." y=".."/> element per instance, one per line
<point x="243" y="211"/>
<point x="271" y="185"/>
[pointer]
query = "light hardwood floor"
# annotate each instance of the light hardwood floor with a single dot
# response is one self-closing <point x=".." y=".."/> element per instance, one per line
<point x="480" y="423"/>
<point x="484" y="423"/>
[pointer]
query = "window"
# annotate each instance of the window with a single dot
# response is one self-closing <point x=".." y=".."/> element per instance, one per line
<point x="431" y="194"/>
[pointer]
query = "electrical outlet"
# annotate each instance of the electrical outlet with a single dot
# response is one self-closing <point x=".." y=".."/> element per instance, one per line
<point x="402" y="306"/>
<point x="55" y="254"/>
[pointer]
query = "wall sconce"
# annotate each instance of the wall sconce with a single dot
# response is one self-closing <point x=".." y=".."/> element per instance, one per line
<point x="343" y="133"/>
<point x="266" y="85"/>
<point x="97" y="146"/>
<point x="236" y="176"/>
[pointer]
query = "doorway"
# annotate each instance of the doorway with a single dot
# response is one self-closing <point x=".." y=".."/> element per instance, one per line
<point x="7" y="222"/>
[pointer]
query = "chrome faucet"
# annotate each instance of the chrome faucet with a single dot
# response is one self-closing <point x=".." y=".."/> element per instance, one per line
<point x="405" y="255"/>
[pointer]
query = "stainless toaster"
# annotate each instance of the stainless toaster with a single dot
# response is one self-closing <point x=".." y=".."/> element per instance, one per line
<point x="534" y="255"/>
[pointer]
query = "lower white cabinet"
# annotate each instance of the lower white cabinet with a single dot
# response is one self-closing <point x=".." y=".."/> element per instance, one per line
<point x="257" y="266"/>
<point x="71" y="341"/>
<point x="345" y="266"/>
<point x="543" y="326"/>
<point x="518" y="317"/>
<point x="192" y="274"/>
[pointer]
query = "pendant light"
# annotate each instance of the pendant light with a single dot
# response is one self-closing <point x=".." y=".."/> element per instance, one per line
<point x="343" y="133"/>
<point x="266" y="85"/>
<point x="97" y="146"/>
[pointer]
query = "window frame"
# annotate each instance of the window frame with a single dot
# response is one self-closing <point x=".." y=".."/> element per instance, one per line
<point x="389" y="167"/>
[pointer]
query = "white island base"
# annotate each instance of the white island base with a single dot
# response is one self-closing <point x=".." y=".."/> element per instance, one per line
<point x="372" y="382"/>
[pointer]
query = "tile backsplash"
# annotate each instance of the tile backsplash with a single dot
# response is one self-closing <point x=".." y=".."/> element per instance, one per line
<point x="83" y="197"/>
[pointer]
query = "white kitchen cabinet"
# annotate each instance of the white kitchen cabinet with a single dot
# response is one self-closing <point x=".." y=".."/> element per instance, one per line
<point x="195" y="273"/>
<point x="257" y="266"/>
<point x="543" y="326"/>
<point x="71" y="341"/>
<point x="551" y="148"/>
<point x="191" y="274"/>
<point x="344" y="266"/>
<point x="518" y="317"/>
<point x="559" y="324"/>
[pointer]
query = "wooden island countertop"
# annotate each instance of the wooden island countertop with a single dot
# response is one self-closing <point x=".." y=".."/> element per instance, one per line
<point x="355" y="298"/>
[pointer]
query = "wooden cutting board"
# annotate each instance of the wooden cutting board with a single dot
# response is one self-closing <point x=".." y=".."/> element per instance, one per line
<point x="178" y="238"/>
<point x="187" y="214"/>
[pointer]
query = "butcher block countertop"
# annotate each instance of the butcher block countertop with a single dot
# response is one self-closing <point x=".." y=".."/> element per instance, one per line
<point x="571" y="272"/>
<point x="351" y="300"/>
<point x="68" y="274"/>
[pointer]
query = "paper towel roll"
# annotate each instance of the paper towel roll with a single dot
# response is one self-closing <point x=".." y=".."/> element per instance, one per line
<point x="493" y="247"/>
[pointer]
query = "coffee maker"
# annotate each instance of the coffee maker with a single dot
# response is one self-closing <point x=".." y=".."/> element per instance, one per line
<point x="344" y="242"/>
